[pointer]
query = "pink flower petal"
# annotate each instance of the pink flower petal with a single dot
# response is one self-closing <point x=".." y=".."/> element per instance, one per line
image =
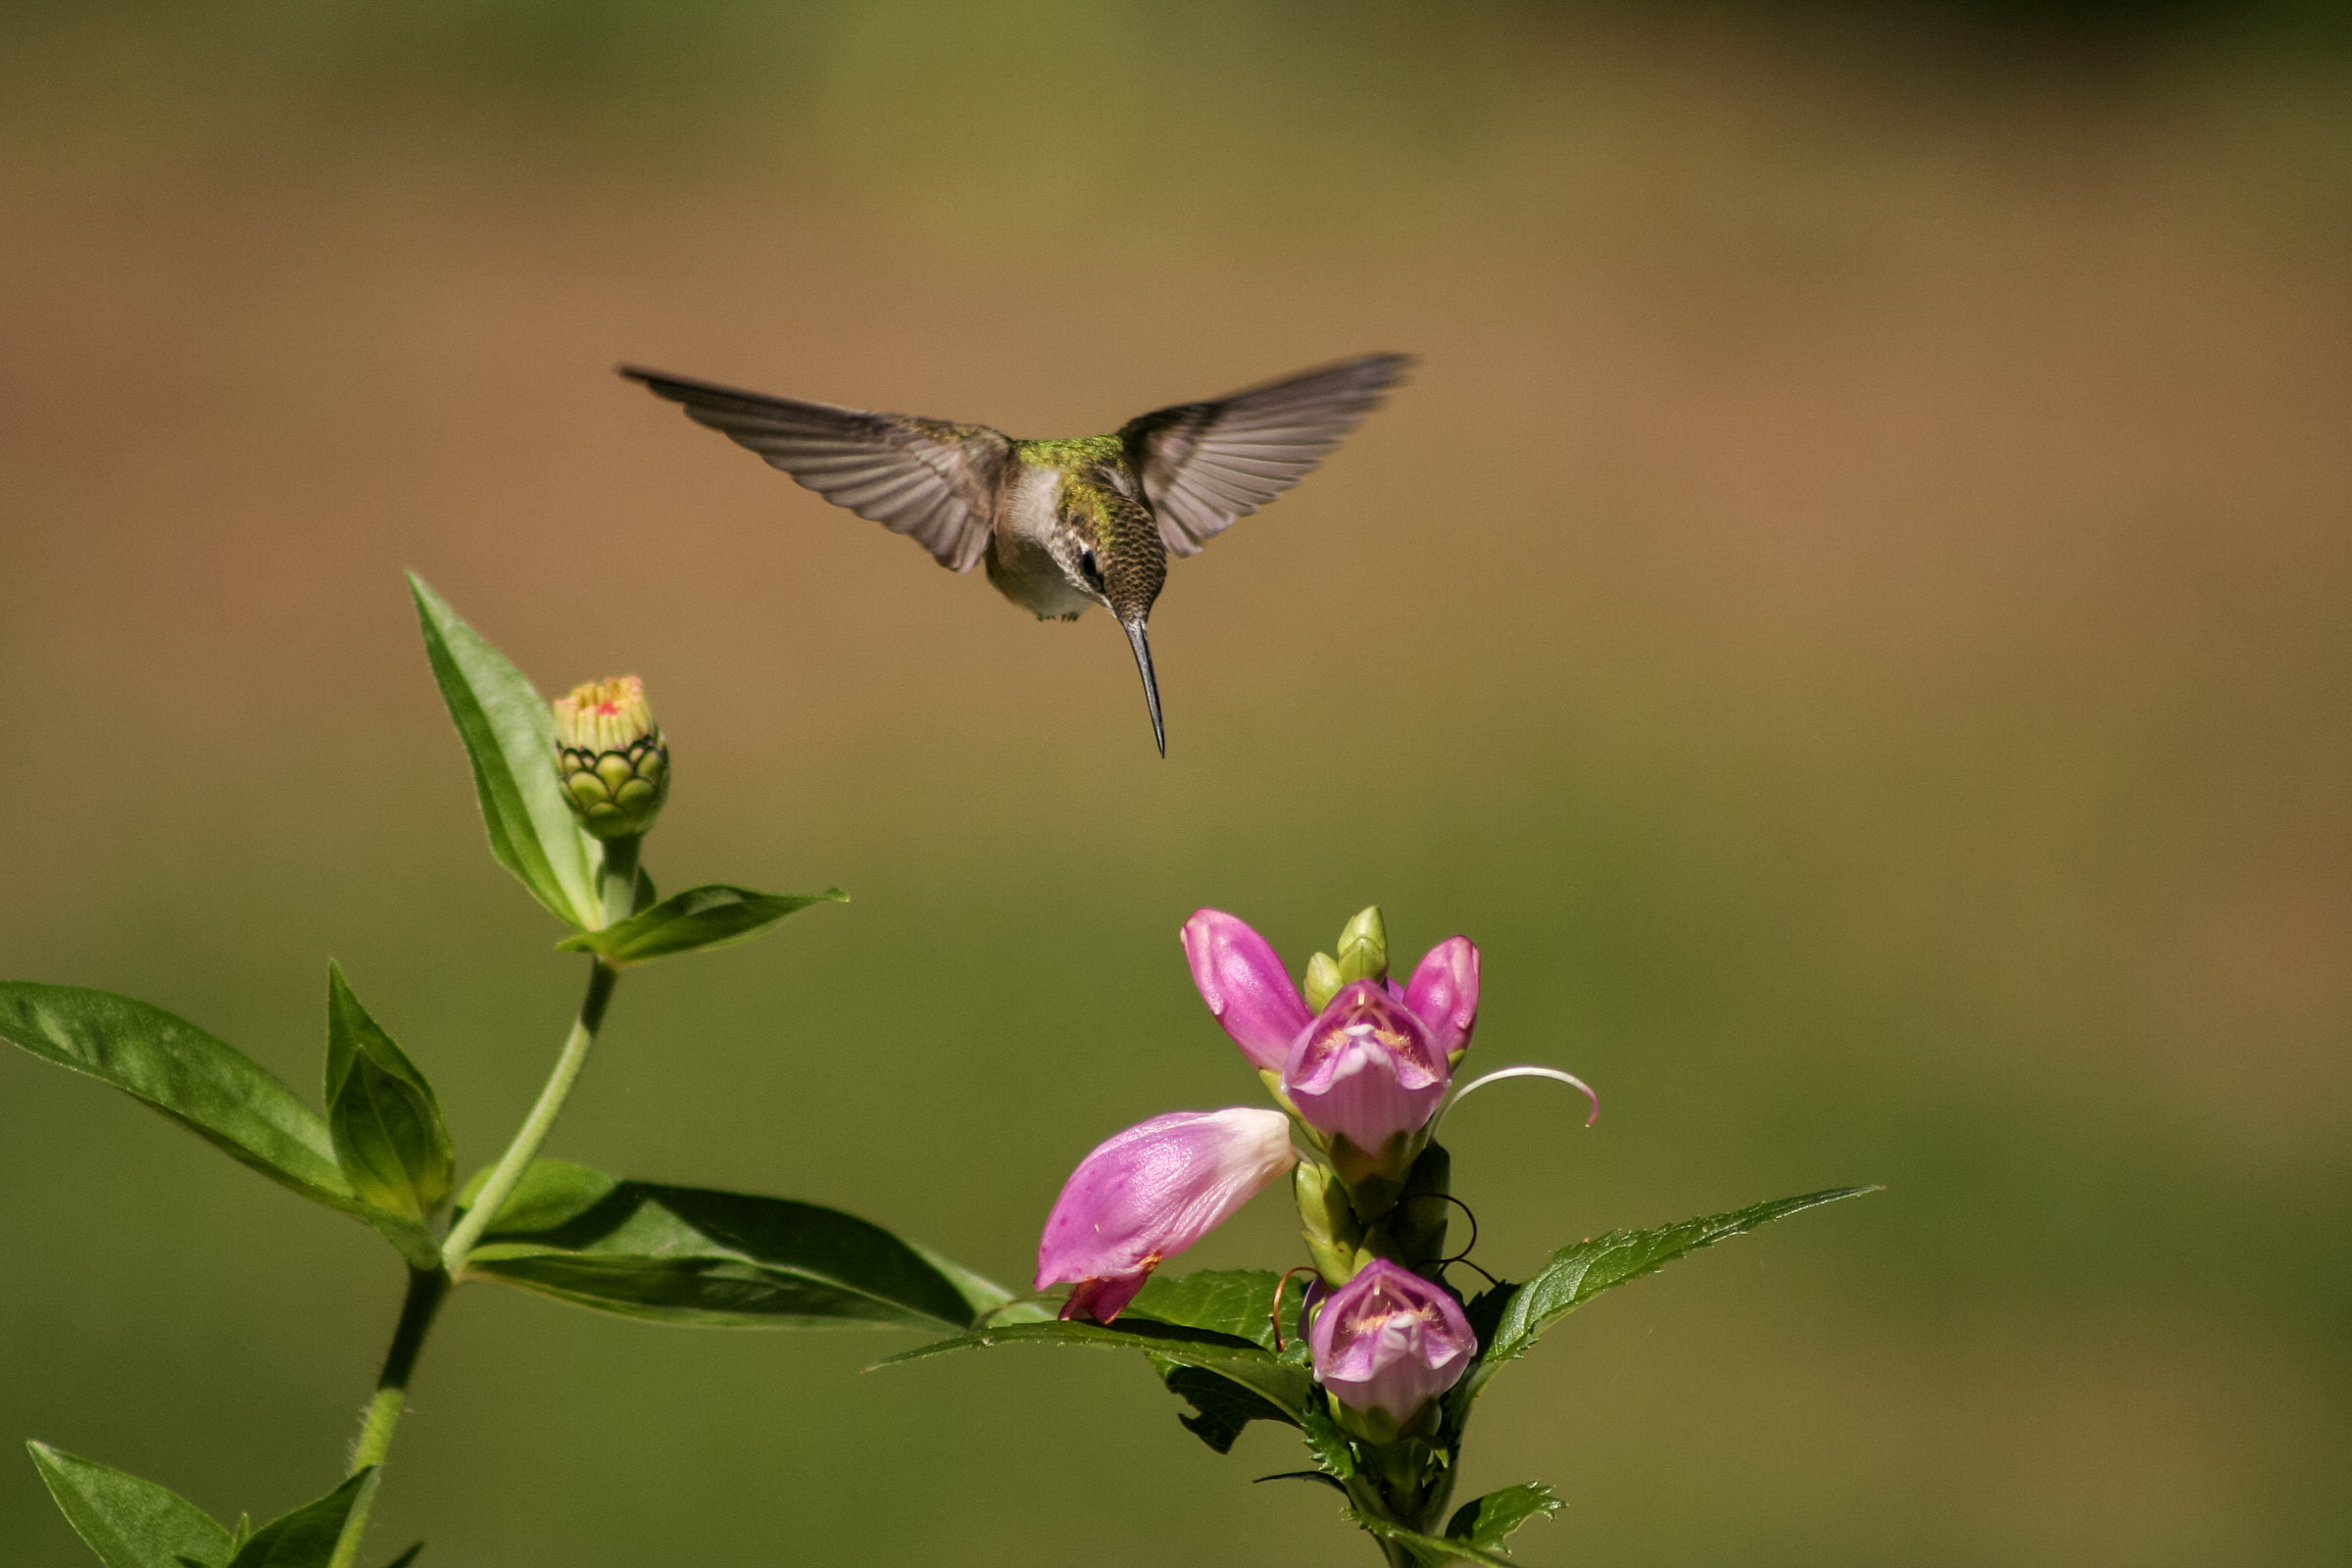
<point x="1146" y="1193"/>
<point x="1444" y="990"/>
<point x="1241" y="979"/>
<point x="1389" y="1341"/>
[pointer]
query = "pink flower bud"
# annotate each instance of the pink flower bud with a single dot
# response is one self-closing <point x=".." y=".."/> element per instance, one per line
<point x="1149" y="1193"/>
<point x="1245" y="987"/>
<point x="1367" y="1069"/>
<point x="1388" y="1341"/>
<point x="1444" y="990"/>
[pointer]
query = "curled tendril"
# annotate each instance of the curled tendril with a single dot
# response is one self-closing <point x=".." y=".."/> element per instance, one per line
<point x="1500" y="1073"/>
<point x="1469" y="1246"/>
<point x="1275" y="1315"/>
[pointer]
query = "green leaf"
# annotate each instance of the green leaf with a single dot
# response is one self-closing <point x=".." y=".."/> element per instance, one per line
<point x="551" y="1192"/>
<point x="1490" y="1520"/>
<point x="509" y="736"/>
<point x="988" y="1298"/>
<point x="1239" y="1301"/>
<point x="307" y="1537"/>
<point x="407" y="1557"/>
<point x="387" y="1129"/>
<point x="1333" y="1449"/>
<point x="1221" y="1406"/>
<point x="211" y="1088"/>
<point x="129" y="1523"/>
<point x="684" y="1255"/>
<point x="1286" y="1385"/>
<point x="1431" y="1548"/>
<point x="1509" y="1317"/>
<point x="711" y="916"/>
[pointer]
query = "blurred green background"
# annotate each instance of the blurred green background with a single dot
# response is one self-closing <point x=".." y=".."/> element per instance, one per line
<point x="1851" y="616"/>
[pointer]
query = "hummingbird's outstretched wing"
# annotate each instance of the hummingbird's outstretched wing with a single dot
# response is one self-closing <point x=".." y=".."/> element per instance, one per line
<point x="927" y="479"/>
<point x="1206" y="464"/>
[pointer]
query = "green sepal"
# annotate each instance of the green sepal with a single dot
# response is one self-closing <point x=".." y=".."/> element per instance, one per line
<point x="1433" y="1549"/>
<point x="509" y="736"/>
<point x="1283" y="1383"/>
<point x="1509" y="1317"/>
<point x="709" y="916"/>
<point x="206" y="1085"/>
<point x="684" y="1255"/>
<point x="307" y="1537"/>
<point x="1316" y="1476"/>
<point x="128" y="1522"/>
<point x="407" y="1557"/>
<point x="389" y="1138"/>
<point x="1488" y="1521"/>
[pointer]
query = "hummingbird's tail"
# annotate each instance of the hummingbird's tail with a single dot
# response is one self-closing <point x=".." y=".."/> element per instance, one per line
<point x="1142" y="644"/>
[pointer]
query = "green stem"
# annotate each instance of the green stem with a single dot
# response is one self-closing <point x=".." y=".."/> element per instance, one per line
<point x="427" y="1288"/>
<point x="538" y="1125"/>
<point x="621" y="890"/>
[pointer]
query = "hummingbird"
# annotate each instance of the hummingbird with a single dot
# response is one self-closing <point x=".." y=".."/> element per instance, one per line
<point x="1059" y="526"/>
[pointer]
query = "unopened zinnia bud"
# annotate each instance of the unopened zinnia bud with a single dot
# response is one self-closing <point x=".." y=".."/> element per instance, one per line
<point x="1149" y="1193"/>
<point x="1386" y="1344"/>
<point x="611" y="757"/>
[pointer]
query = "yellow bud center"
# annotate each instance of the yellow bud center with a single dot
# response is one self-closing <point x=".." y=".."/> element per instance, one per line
<point x="604" y="715"/>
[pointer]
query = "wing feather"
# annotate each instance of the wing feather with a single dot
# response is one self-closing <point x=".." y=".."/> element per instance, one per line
<point x="929" y="479"/>
<point x="1204" y="464"/>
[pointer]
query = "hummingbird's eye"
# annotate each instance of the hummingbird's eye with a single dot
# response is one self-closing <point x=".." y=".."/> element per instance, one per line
<point x="1087" y="569"/>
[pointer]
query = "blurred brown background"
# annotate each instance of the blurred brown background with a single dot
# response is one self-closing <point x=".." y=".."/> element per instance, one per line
<point x="1851" y="616"/>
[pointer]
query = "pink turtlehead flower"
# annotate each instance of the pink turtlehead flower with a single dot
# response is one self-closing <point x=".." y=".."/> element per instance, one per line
<point x="1388" y="1341"/>
<point x="1241" y="979"/>
<point x="1444" y="990"/>
<point x="1368" y="1069"/>
<point x="1245" y="987"/>
<point x="1149" y="1193"/>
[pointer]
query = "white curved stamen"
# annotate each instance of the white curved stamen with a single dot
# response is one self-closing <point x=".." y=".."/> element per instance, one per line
<point x="1500" y="1073"/>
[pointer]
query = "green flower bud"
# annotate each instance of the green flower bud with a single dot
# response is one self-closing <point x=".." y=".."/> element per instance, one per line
<point x="1323" y="981"/>
<point x="1364" y="948"/>
<point x="611" y="757"/>
<point x="1332" y="1237"/>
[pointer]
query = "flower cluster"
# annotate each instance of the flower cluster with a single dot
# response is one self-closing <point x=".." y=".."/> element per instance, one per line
<point x="1361" y="1069"/>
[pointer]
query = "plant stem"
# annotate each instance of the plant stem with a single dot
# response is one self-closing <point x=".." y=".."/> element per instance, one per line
<point x="620" y="877"/>
<point x="538" y="1125"/>
<point x="426" y="1290"/>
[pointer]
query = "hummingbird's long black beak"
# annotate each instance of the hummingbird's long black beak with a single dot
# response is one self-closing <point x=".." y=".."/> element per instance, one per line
<point x="1142" y="643"/>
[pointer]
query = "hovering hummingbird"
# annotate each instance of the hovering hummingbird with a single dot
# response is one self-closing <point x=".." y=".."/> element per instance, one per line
<point x="1060" y="524"/>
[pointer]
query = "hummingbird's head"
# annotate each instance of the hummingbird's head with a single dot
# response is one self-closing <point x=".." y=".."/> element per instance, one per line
<point x="1121" y="563"/>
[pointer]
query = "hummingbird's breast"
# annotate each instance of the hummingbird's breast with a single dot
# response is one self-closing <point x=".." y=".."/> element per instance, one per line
<point x="1023" y="559"/>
